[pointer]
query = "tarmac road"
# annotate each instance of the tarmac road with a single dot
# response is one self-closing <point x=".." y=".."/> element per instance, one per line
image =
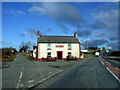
<point x="90" y="73"/>
<point x="23" y="73"/>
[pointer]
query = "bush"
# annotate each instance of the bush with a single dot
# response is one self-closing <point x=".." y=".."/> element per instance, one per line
<point x="114" y="53"/>
<point x="7" y="54"/>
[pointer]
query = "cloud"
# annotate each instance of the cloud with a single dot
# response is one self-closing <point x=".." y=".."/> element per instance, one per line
<point x="83" y="33"/>
<point x="20" y="12"/>
<point x="114" y="45"/>
<point x="106" y="20"/>
<point x="23" y="34"/>
<point x="95" y="42"/>
<point x="99" y="25"/>
<point x="60" y="12"/>
<point x="64" y="28"/>
<point x="100" y="35"/>
<point x="15" y="12"/>
<point x="113" y="38"/>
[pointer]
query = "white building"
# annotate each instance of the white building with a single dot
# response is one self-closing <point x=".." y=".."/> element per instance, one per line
<point x="57" y="46"/>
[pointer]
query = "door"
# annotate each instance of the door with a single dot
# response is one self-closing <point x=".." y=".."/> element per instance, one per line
<point x="59" y="55"/>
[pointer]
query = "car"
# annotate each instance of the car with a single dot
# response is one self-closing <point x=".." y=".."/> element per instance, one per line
<point x="97" y="53"/>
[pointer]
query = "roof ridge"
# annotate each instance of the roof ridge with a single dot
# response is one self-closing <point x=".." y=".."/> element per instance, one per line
<point x="58" y="36"/>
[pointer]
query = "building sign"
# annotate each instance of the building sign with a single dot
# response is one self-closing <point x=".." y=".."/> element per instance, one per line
<point x="59" y="46"/>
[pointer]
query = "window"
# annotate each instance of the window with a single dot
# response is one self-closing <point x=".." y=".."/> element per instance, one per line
<point x="69" y="53"/>
<point x="69" y="46"/>
<point x="49" y="54"/>
<point x="49" y="46"/>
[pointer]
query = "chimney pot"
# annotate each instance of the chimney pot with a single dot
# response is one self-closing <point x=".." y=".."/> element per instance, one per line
<point x="38" y="34"/>
<point x="75" y="34"/>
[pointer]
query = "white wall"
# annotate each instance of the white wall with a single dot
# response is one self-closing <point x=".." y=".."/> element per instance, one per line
<point x="42" y="50"/>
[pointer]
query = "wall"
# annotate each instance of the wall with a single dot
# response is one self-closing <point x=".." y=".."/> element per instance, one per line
<point x="42" y="50"/>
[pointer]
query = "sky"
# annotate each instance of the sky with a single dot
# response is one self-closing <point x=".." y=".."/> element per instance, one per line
<point x="96" y="23"/>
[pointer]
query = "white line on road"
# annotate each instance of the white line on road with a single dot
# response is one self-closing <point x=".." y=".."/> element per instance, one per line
<point x="30" y="80"/>
<point x="20" y="77"/>
<point x="113" y="74"/>
<point x="41" y="81"/>
<point x="30" y="86"/>
<point x="108" y="62"/>
<point x="117" y="68"/>
<point x="50" y="72"/>
<point x="102" y="62"/>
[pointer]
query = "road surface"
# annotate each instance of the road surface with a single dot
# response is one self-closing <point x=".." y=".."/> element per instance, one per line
<point x="23" y="73"/>
<point x="90" y="73"/>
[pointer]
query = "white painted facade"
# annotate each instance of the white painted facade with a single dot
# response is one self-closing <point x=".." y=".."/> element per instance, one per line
<point x="34" y="53"/>
<point x="43" y="50"/>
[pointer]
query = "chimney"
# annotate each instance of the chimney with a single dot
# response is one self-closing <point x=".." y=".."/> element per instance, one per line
<point x="38" y="34"/>
<point x="75" y="35"/>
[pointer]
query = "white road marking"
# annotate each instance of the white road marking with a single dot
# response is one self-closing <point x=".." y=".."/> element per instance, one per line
<point x="41" y="81"/>
<point x="117" y="68"/>
<point x="30" y="86"/>
<point x="21" y="85"/>
<point x="49" y="72"/>
<point x="20" y="77"/>
<point x="108" y="62"/>
<point x="102" y="62"/>
<point x="113" y="74"/>
<point x="30" y="80"/>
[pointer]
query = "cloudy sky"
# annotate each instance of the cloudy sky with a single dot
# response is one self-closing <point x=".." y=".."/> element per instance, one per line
<point x="95" y="22"/>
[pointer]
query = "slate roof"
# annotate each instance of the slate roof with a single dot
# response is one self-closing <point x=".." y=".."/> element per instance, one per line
<point x="58" y="39"/>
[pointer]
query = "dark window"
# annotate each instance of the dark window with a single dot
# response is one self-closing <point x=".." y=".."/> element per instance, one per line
<point x="49" y="54"/>
<point x="69" y="53"/>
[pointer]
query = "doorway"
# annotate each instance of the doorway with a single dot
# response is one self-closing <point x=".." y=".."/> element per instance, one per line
<point x="59" y="55"/>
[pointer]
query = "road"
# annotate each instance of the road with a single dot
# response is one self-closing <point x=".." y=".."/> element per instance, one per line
<point x="89" y="73"/>
<point x="12" y="76"/>
<point x="23" y="73"/>
<point x="114" y="63"/>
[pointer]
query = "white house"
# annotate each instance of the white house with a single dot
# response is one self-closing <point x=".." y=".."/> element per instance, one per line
<point x="57" y="46"/>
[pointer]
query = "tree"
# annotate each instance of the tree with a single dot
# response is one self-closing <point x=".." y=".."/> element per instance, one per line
<point x="24" y="47"/>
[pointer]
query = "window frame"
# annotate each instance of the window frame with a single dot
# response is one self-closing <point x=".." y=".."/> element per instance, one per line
<point x="48" y="54"/>
<point x="69" y="46"/>
<point x="48" y="46"/>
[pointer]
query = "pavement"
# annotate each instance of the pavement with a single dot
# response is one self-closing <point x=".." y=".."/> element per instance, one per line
<point x="23" y="73"/>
